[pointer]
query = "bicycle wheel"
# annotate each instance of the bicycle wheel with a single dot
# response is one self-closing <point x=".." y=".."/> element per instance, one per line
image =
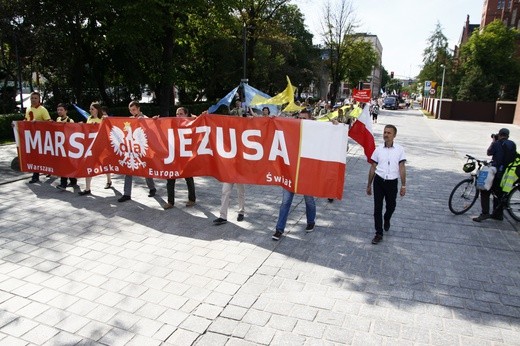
<point x="513" y="203"/>
<point x="463" y="196"/>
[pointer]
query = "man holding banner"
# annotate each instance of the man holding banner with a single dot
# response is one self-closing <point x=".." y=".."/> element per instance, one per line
<point x="135" y="110"/>
<point x="36" y="113"/>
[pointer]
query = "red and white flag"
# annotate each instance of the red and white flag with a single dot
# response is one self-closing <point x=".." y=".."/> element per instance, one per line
<point x="361" y="132"/>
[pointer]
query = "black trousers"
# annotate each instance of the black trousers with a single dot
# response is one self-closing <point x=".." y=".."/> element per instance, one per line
<point x="384" y="190"/>
<point x="498" y="210"/>
<point x="63" y="181"/>
<point x="170" y="189"/>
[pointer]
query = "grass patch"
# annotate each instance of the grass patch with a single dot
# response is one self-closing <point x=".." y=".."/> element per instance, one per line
<point x="427" y="114"/>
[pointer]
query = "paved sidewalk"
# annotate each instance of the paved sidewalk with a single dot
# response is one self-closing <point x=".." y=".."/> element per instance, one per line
<point x="7" y="174"/>
<point x="89" y="270"/>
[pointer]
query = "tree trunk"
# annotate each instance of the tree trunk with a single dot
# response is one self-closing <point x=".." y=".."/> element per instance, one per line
<point x="165" y="86"/>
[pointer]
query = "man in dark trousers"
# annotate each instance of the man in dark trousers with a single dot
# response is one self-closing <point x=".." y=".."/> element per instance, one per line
<point x="170" y="183"/>
<point x="503" y="152"/>
<point x="388" y="164"/>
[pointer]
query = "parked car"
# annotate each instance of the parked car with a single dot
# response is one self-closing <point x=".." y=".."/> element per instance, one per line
<point x="391" y="102"/>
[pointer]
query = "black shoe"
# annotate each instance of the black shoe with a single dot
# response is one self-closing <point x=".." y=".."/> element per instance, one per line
<point x="497" y="217"/>
<point x="124" y="198"/>
<point x="152" y="192"/>
<point x="310" y="227"/>
<point x="240" y="217"/>
<point x="377" y="239"/>
<point x="386" y="226"/>
<point x="61" y="187"/>
<point x="84" y="193"/>
<point x="481" y="217"/>
<point x="330" y="200"/>
<point x="219" y="221"/>
<point x="32" y="181"/>
<point x="277" y="235"/>
<point x="108" y="186"/>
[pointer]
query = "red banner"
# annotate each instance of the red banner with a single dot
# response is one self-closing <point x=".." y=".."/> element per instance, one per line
<point x="305" y="157"/>
<point x="362" y="95"/>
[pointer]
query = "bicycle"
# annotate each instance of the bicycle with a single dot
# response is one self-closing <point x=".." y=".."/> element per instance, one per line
<point x="465" y="194"/>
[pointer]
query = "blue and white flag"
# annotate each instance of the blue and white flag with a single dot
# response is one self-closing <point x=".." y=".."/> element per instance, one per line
<point x="226" y="100"/>
<point x="83" y="112"/>
<point x="250" y="92"/>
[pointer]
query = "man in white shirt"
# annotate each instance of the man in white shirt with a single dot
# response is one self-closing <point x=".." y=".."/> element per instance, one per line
<point x="388" y="164"/>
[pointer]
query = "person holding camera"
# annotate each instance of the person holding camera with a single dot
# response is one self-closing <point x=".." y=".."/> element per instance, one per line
<point x="503" y="152"/>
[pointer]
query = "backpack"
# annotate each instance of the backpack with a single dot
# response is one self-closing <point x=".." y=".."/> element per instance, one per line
<point x="509" y="152"/>
<point x="511" y="174"/>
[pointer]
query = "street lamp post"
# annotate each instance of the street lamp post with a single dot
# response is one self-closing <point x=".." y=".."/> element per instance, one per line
<point x="244" y="80"/>
<point x="18" y="22"/>
<point x="244" y="55"/>
<point x="442" y="89"/>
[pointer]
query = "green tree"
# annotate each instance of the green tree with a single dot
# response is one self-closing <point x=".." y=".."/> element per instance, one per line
<point x="359" y="59"/>
<point x="350" y="57"/>
<point x="490" y="66"/>
<point x="109" y="50"/>
<point x="435" y="55"/>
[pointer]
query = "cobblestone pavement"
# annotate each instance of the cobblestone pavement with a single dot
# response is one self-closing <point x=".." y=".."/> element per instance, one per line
<point x="92" y="271"/>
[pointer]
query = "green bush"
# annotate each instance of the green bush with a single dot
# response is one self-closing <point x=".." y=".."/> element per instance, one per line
<point x="6" y="129"/>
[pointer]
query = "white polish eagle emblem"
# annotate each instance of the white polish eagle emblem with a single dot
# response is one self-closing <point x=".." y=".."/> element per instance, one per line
<point x="132" y="146"/>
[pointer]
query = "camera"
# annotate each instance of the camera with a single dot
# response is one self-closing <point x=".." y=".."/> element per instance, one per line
<point x="494" y="136"/>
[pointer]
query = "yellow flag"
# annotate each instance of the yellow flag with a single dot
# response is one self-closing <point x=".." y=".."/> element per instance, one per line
<point x="356" y="112"/>
<point x="285" y="96"/>
<point x="292" y="107"/>
<point x="328" y="116"/>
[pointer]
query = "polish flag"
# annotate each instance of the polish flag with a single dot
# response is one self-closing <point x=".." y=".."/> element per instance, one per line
<point x="323" y="156"/>
<point x="361" y="132"/>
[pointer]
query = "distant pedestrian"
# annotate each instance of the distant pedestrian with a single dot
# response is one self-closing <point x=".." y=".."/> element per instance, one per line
<point x="374" y="110"/>
<point x="388" y="164"/>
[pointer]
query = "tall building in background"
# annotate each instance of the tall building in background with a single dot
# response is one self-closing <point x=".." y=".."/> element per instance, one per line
<point x="467" y="31"/>
<point x="508" y="11"/>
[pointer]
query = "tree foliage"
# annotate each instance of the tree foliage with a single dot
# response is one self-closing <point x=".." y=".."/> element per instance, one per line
<point x="108" y="50"/>
<point x="435" y="56"/>
<point x="349" y="56"/>
<point x="490" y="65"/>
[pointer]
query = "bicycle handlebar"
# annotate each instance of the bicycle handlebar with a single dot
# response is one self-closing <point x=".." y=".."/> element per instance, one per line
<point x="482" y="162"/>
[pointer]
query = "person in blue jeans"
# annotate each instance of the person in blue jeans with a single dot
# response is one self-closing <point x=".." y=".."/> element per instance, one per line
<point x="287" y="198"/>
<point x="310" y="211"/>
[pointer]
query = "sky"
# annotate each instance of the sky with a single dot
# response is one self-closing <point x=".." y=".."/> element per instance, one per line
<point x="402" y="26"/>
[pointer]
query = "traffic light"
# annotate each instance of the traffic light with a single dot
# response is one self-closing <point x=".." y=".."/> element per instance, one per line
<point x="392" y="74"/>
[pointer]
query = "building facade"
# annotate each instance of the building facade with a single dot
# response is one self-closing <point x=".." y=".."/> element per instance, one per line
<point x="373" y="82"/>
<point x="508" y="11"/>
